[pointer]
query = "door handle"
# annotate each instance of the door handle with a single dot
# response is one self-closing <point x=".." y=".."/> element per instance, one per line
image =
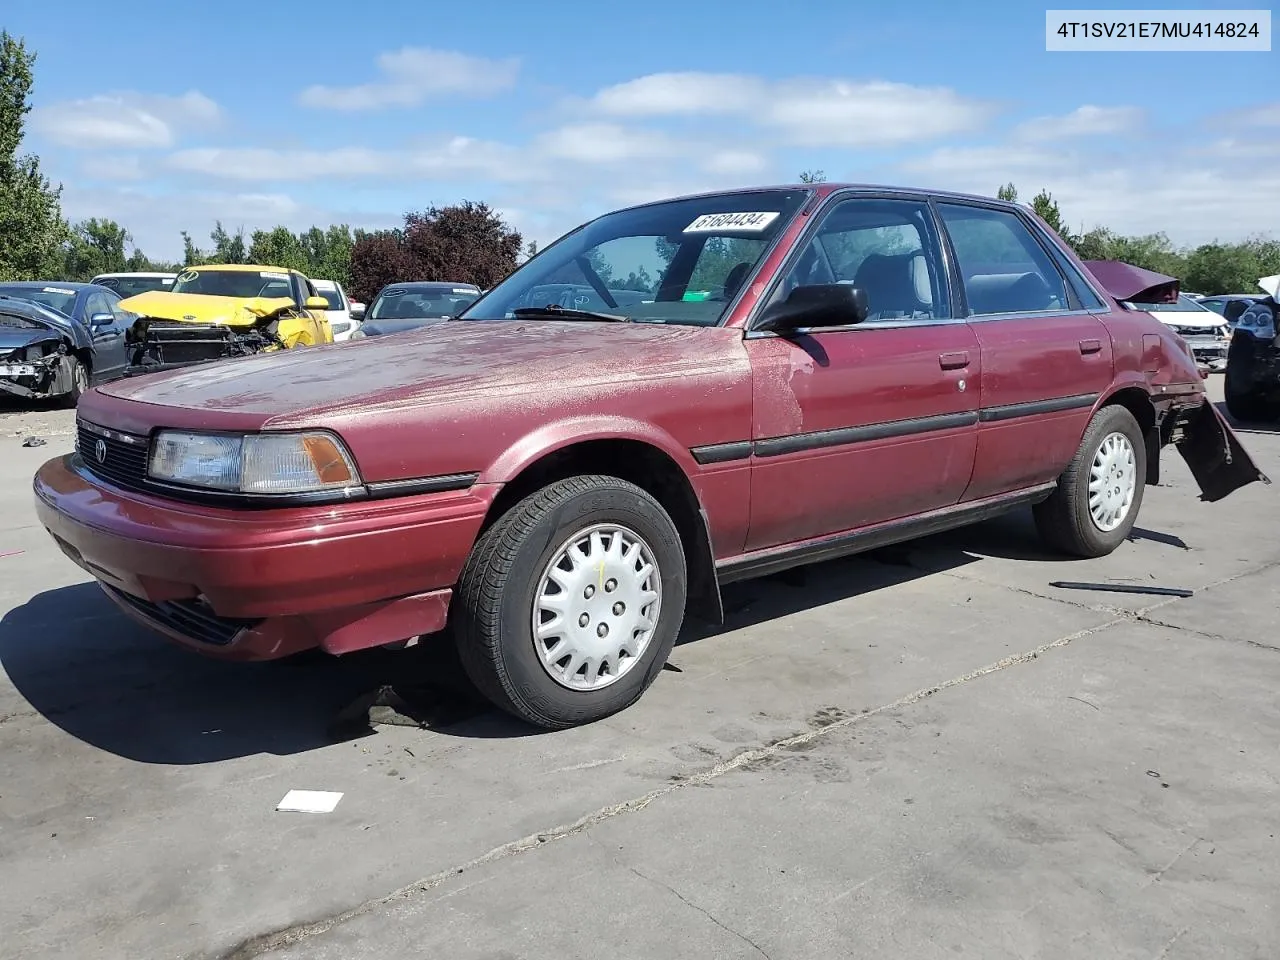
<point x="954" y="361"/>
<point x="1090" y="346"/>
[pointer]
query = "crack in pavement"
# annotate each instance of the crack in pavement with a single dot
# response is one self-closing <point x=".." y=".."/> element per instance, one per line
<point x="262" y="944"/>
<point x="689" y="903"/>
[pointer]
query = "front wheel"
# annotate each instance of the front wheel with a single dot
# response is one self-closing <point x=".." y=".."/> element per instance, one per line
<point x="569" y="605"/>
<point x="79" y="374"/>
<point x="1099" y="494"/>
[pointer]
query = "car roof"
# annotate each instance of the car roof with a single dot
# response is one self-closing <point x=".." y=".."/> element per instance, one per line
<point x="75" y="285"/>
<point x="134" y="273"/>
<point x="430" y="284"/>
<point x="827" y="188"/>
<point x="241" y="267"/>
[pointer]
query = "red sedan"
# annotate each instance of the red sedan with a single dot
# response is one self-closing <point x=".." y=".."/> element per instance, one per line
<point x="670" y="397"/>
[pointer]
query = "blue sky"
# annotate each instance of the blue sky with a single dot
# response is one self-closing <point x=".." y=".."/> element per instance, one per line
<point x="167" y="118"/>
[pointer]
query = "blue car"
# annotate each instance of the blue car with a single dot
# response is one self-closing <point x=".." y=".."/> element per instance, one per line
<point x="59" y="339"/>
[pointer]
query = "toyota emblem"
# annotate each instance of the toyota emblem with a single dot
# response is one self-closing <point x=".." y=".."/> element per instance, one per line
<point x="100" y="451"/>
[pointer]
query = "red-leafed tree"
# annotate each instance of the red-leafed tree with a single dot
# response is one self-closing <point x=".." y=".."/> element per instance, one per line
<point x="466" y="243"/>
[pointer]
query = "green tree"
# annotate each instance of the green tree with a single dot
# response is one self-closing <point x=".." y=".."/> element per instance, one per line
<point x="1008" y="193"/>
<point x="813" y="176"/>
<point x="1047" y="208"/>
<point x="32" y="229"/>
<point x="1232" y="267"/>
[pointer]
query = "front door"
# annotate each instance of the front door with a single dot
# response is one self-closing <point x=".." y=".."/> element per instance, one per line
<point x="874" y="421"/>
<point x="107" y="325"/>
<point x="1046" y="359"/>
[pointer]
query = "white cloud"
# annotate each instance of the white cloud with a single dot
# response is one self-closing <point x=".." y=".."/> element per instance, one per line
<point x="605" y="143"/>
<point x="414" y="74"/>
<point x="804" y="111"/>
<point x="128" y="120"/>
<point x="1194" y="195"/>
<point x="1086" y="121"/>
<point x="112" y="166"/>
<point x="156" y="219"/>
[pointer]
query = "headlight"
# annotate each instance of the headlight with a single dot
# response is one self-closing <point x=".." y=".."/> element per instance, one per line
<point x="357" y="332"/>
<point x="256" y="463"/>
<point x="1259" y="321"/>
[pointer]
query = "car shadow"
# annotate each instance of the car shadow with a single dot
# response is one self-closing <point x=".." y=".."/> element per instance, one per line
<point x="103" y="679"/>
<point x="1247" y="426"/>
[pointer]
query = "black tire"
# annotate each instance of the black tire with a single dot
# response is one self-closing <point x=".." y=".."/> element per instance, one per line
<point x="1247" y="405"/>
<point x="493" y="614"/>
<point x="1064" y="520"/>
<point x="79" y="383"/>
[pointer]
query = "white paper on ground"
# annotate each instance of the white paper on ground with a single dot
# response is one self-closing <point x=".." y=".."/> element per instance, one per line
<point x="309" y="801"/>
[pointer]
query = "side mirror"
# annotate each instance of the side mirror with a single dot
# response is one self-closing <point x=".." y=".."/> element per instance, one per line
<point x="357" y="311"/>
<point x="819" y="305"/>
<point x="317" y="303"/>
<point x="102" y="320"/>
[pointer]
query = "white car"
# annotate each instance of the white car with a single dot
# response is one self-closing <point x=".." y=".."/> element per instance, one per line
<point x="130" y="284"/>
<point x="1205" y="332"/>
<point x="344" y="315"/>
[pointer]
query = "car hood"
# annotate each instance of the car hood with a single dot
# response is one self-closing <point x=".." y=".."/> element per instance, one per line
<point x="442" y="364"/>
<point x="1271" y="286"/>
<point x="1178" y="319"/>
<point x="373" y="328"/>
<point x="203" y="308"/>
<point x="12" y="338"/>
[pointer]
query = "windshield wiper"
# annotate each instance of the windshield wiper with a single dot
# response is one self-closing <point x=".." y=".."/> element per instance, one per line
<point x="568" y="313"/>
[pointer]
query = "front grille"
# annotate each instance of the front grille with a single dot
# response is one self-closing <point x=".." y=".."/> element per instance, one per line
<point x="120" y="458"/>
<point x="193" y="619"/>
<point x="188" y="343"/>
<point x="1200" y="331"/>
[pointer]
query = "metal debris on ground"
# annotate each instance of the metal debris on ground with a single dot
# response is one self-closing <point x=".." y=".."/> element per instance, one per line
<point x="1123" y="588"/>
<point x="34" y="442"/>
<point x="309" y="801"/>
<point x="418" y="705"/>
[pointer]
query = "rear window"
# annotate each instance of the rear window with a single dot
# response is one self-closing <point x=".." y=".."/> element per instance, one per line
<point x="132" y="286"/>
<point x="410" y="304"/>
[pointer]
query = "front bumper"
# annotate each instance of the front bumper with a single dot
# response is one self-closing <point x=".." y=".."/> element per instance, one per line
<point x="1210" y="351"/>
<point x="1254" y="365"/>
<point x="262" y="584"/>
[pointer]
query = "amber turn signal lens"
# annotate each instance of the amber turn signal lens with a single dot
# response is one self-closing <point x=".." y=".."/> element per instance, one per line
<point x="331" y="466"/>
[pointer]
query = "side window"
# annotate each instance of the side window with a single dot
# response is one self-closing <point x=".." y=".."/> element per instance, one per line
<point x="97" y="304"/>
<point x="1003" y="267"/>
<point x="113" y="303"/>
<point x="722" y="266"/>
<point x="886" y="247"/>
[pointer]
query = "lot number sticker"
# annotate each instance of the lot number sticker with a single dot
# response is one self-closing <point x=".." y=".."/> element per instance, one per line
<point x="714" y="222"/>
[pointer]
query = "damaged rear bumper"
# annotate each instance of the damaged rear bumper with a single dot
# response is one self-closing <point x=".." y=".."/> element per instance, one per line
<point x="1212" y="451"/>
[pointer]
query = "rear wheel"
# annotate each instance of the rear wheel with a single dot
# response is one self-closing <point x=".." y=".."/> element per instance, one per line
<point x="569" y="605"/>
<point x="1099" y="494"/>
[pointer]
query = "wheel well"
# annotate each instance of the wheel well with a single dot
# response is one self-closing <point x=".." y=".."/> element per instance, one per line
<point x="654" y="472"/>
<point x="1136" y="401"/>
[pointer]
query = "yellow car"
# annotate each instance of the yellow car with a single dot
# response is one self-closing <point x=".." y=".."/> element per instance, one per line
<point x="223" y="310"/>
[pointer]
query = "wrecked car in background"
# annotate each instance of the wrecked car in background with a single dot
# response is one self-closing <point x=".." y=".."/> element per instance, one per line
<point x="411" y="304"/>
<point x="219" y="311"/>
<point x="1252" y="388"/>
<point x="58" y="339"/>
<point x="559" y="486"/>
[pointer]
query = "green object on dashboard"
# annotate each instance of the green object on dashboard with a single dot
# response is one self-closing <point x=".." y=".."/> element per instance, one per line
<point x="690" y="295"/>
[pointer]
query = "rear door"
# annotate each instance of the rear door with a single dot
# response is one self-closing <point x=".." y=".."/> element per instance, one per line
<point x="874" y="421"/>
<point x="1046" y="357"/>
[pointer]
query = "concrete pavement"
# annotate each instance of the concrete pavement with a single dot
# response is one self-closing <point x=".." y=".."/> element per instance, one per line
<point x="926" y="752"/>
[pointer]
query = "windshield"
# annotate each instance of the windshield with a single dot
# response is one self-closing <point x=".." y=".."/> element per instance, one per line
<point x="59" y="298"/>
<point x="132" y="286"/>
<point x="243" y="284"/>
<point x="417" y="303"/>
<point x="681" y="261"/>
<point x="1184" y="305"/>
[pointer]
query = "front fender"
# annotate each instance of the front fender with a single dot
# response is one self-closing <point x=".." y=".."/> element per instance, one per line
<point x="559" y="434"/>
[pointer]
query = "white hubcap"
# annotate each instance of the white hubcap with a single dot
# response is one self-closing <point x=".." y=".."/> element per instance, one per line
<point x="1113" y="479"/>
<point x="597" y="607"/>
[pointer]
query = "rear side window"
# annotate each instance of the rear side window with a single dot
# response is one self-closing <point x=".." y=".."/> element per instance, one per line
<point x="1002" y="265"/>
